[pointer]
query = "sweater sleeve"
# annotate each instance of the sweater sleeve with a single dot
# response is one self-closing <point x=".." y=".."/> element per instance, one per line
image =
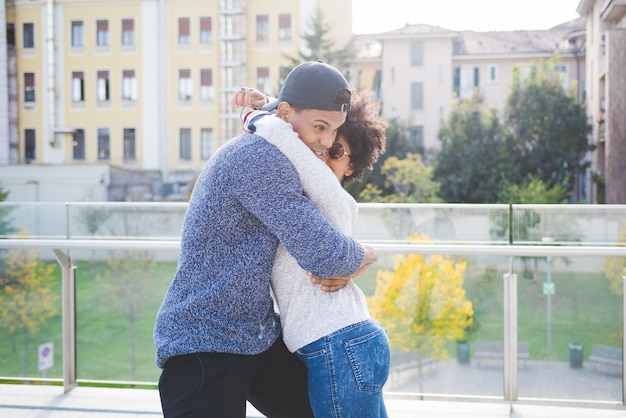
<point x="268" y="186"/>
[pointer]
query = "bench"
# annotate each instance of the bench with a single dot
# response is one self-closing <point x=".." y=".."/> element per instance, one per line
<point x="604" y="359"/>
<point x="494" y="351"/>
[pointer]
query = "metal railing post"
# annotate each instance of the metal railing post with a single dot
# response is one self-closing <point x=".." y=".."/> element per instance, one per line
<point x="68" y="319"/>
<point x="624" y="338"/>
<point x="510" y="337"/>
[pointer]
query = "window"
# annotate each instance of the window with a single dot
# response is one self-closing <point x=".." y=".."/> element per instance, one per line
<point x="104" y="144"/>
<point x="129" y="144"/>
<point x="416" y="135"/>
<point x="284" y="28"/>
<point x="207" y="92"/>
<point x="129" y="86"/>
<point x="102" y="32"/>
<point x="184" y="35"/>
<point x="493" y="73"/>
<point x="561" y="70"/>
<point x="28" y="35"/>
<point x="78" y="144"/>
<point x="206" y="143"/>
<point x="78" y="34"/>
<point x="263" y="80"/>
<point x="206" y="33"/>
<point x="417" y="96"/>
<point x="102" y="86"/>
<point x="184" y="85"/>
<point x="11" y="35"/>
<point x="417" y="54"/>
<point x="29" y="145"/>
<point x="466" y="79"/>
<point x="29" y="87"/>
<point x="78" y="86"/>
<point x="262" y="28"/>
<point x="128" y="32"/>
<point x="184" y="151"/>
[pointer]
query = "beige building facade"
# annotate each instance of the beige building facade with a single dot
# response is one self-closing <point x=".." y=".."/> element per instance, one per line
<point x="422" y="68"/>
<point x="143" y="85"/>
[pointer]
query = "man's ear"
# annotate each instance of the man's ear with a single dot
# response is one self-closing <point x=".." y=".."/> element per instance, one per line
<point x="349" y="170"/>
<point x="283" y="110"/>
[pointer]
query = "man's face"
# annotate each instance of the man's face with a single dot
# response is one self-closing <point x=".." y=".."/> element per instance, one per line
<point x="316" y="128"/>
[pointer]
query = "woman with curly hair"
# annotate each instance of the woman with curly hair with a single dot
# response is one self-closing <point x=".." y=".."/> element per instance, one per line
<point x="345" y="350"/>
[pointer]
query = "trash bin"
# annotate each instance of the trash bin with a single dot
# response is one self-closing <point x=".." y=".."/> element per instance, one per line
<point x="462" y="352"/>
<point x="575" y="355"/>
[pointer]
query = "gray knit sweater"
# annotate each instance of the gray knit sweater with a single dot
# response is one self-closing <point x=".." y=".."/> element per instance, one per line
<point x="246" y="200"/>
<point x="306" y="312"/>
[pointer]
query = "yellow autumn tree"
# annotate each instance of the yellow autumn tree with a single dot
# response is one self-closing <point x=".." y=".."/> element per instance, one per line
<point x="26" y="297"/>
<point x="615" y="267"/>
<point x="422" y="304"/>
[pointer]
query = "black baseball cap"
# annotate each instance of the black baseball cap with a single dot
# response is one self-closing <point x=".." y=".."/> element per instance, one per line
<point x="314" y="85"/>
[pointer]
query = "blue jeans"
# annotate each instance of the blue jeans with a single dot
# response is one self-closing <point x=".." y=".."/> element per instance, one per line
<point x="347" y="370"/>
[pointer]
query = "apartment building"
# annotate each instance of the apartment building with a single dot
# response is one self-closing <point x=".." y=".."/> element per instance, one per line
<point x="606" y="92"/>
<point x="141" y="87"/>
<point x="423" y="67"/>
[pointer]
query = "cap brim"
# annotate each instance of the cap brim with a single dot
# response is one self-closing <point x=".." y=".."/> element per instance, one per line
<point x="271" y="106"/>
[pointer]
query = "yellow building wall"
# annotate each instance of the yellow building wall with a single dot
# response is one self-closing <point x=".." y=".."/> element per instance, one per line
<point x="29" y="61"/>
<point x="272" y="54"/>
<point x="157" y="126"/>
<point x="91" y="114"/>
<point x="194" y="114"/>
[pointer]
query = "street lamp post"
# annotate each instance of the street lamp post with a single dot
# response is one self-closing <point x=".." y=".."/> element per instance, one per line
<point x="548" y="290"/>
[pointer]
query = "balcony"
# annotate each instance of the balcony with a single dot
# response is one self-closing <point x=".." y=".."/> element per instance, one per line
<point x="545" y="283"/>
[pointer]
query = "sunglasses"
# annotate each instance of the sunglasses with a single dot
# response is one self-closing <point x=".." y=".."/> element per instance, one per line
<point x="337" y="151"/>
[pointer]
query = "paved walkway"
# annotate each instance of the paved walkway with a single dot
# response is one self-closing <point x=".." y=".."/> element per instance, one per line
<point x="540" y="381"/>
<point x="19" y="401"/>
<point x="536" y="379"/>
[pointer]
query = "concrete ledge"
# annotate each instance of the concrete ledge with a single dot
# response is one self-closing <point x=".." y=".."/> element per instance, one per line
<point x="32" y="401"/>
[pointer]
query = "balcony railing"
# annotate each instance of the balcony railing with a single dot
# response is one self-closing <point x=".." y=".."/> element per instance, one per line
<point x="541" y="280"/>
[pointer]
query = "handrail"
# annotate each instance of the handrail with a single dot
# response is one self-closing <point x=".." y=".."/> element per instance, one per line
<point x="515" y="250"/>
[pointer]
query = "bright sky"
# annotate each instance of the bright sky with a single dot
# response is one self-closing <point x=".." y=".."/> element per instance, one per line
<point x="376" y="16"/>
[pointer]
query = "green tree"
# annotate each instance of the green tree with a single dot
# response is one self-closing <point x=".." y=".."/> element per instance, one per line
<point x="124" y="282"/>
<point x="476" y="157"/>
<point x="27" y="299"/>
<point x="399" y="145"/>
<point x="533" y="190"/>
<point x="6" y="227"/>
<point x="408" y="179"/>
<point x="319" y="45"/>
<point x="550" y="129"/>
<point x="422" y="304"/>
<point x="527" y="222"/>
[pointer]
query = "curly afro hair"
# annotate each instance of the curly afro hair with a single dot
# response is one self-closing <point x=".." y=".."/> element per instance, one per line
<point x="365" y="133"/>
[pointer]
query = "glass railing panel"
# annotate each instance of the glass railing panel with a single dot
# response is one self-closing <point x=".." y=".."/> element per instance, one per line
<point x="37" y="219"/>
<point x="104" y="220"/>
<point x="30" y="317"/>
<point x="118" y="294"/>
<point x="570" y="315"/>
<point x="424" y="302"/>
<point x="441" y="223"/>
<point x="569" y="224"/>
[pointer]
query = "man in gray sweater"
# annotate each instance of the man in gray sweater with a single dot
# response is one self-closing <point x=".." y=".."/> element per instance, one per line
<point x="217" y="335"/>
